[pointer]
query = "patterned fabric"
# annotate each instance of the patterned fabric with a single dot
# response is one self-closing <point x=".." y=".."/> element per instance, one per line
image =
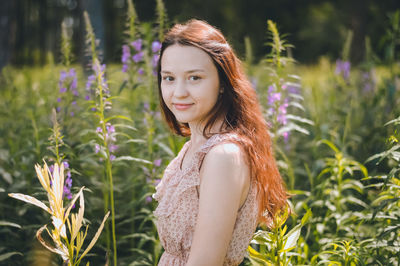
<point x="178" y="206"/>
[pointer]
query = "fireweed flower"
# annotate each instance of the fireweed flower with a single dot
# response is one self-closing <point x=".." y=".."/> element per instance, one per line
<point x="90" y="81"/>
<point x="137" y="45"/>
<point x="126" y="54"/>
<point x="110" y="141"/>
<point x="368" y="81"/>
<point x="155" y="46"/>
<point x="278" y="106"/>
<point x="157" y="162"/>
<point x="343" y="68"/>
<point x="154" y="60"/>
<point x="97" y="148"/>
<point x="68" y="81"/>
<point x="137" y="57"/>
<point x="99" y="72"/>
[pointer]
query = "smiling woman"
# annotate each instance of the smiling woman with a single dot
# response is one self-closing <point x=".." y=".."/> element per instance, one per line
<point x="190" y="83"/>
<point x="225" y="180"/>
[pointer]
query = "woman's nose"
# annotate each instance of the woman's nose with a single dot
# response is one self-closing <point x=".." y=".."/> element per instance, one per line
<point x="180" y="90"/>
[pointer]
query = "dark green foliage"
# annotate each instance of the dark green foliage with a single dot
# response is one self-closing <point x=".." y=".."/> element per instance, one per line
<point x="341" y="160"/>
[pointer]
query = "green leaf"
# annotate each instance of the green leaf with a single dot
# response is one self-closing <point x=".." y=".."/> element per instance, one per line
<point x="292" y="237"/>
<point x="255" y="255"/>
<point x="299" y="119"/>
<point x="306" y="217"/>
<point x="297" y="105"/>
<point x="5" y="223"/>
<point x="394" y="121"/>
<point x="117" y="117"/>
<point x="125" y="126"/>
<point x="130" y="158"/>
<point x="330" y="144"/>
<point x="356" y="201"/>
<point x="9" y="254"/>
<point x="292" y="126"/>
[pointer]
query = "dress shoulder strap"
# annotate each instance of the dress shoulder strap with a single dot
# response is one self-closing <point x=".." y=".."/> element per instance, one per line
<point x="211" y="142"/>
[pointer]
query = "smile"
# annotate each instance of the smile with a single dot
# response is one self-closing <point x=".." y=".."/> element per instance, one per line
<point x="182" y="106"/>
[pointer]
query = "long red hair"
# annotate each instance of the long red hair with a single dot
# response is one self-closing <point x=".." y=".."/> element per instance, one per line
<point x="239" y="107"/>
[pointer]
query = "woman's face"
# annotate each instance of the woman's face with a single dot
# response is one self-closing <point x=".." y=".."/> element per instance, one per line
<point x="189" y="83"/>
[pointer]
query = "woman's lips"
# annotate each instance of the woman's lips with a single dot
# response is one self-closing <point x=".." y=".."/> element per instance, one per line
<point x="182" y="107"/>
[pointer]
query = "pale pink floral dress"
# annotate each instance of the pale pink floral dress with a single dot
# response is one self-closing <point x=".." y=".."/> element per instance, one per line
<point x="176" y="213"/>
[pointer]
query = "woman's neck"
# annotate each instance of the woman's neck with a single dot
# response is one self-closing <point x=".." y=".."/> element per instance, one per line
<point x="197" y="138"/>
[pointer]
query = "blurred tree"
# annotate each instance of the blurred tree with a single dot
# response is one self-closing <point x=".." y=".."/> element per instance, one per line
<point x="30" y="29"/>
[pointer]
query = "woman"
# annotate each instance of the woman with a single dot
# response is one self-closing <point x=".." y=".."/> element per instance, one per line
<point x="224" y="180"/>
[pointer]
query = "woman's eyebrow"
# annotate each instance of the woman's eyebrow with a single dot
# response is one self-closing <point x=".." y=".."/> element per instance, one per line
<point x="188" y="72"/>
<point x="195" y="70"/>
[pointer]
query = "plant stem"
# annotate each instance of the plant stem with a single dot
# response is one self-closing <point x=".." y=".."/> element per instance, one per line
<point x="108" y="167"/>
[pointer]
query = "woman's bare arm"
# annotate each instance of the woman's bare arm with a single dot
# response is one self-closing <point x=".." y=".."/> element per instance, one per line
<point x="224" y="179"/>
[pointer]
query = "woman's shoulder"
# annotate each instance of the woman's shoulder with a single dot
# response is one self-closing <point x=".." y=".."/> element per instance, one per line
<point x="227" y="156"/>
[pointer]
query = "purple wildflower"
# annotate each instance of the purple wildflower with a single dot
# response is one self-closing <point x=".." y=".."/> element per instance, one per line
<point x="294" y="89"/>
<point x="100" y="73"/>
<point x="58" y="109"/>
<point x="51" y="169"/>
<point x="71" y="113"/>
<point x="154" y="60"/>
<point x="73" y="103"/>
<point x="281" y="118"/>
<point x="99" y="130"/>
<point x="155" y="46"/>
<point x="157" y="181"/>
<point x="99" y="68"/>
<point x="271" y="89"/>
<point x="96" y="148"/>
<point x="58" y="99"/>
<point x="137" y="44"/>
<point x="68" y="182"/>
<point x="137" y="57"/>
<point x="72" y="72"/>
<point x="140" y="71"/>
<point x="74" y="83"/>
<point x="112" y="157"/>
<point x="146" y="106"/>
<point x="75" y="92"/>
<point x="343" y="68"/>
<point x="113" y="147"/>
<point x="149" y="199"/>
<point x="126" y="53"/>
<point x="274" y="97"/>
<point x="124" y="68"/>
<point x="87" y="97"/>
<point x="286" y="136"/>
<point x="110" y="129"/>
<point x="157" y="162"/>
<point x="66" y="165"/>
<point x="63" y="89"/>
<point x="368" y="81"/>
<point x="90" y="81"/>
<point x="63" y="76"/>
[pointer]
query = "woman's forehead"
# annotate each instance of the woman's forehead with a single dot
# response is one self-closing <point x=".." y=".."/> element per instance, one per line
<point x="185" y="58"/>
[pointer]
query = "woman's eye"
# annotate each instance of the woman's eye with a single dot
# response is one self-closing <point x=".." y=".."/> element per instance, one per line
<point x="168" y="78"/>
<point x="194" y="78"/>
